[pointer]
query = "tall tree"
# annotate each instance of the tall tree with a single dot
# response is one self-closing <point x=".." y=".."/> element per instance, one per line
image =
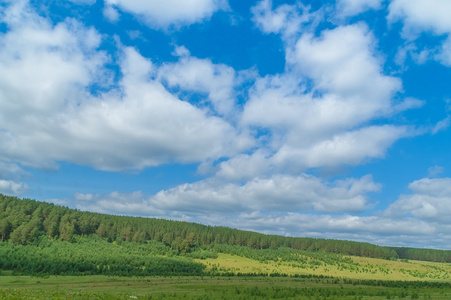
<point x="5" y="228"/>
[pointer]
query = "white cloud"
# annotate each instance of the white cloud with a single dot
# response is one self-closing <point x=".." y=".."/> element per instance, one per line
<point x="278" y="193"/>
<point x="111" y="14"/>
<point x="116" y="203"/>
<point x="148" y="125"/>
<point x="62" y="202"/>
<point x="328" y="225"/>
<point x="350" y="148"/>
<point x="435" y="170"/>
<point x="83" y="2"/>
<point x="244" y="166"/>
<point x="373" y="229"/>
<point x="430" y="201"/>
<point x="320" y="123"/>
<point x="425" y="16"/>
<point x="444" y="54"/>
<point x="348" y="8"/>
<point x="158" y="14"/>
<point x="406" y="104"/>
<point x="202" y="76"/>
<point x="12" y="170"/>
<point x="343" y="61"/>
<point x="442" y="125"/>
<point x="83" y="197"/>
<point x="285" y="19"/>
<point x="317" y="113"/>
<point x="48" y="114"/>
<point x="420" y="15"/>
<point x="45" y="69"/>
<point x="9" y="187"/>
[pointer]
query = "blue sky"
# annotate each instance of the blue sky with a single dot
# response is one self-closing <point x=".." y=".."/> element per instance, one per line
<point x="325" y="119"/>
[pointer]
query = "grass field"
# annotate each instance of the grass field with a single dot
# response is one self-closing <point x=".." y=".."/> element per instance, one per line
<point x="102" y="287"/>
<point x="313" y="276"/>
<point x="352" y="267"/>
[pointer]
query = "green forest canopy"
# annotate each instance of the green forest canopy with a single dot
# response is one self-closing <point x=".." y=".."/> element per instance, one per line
<point x="23" y="221"/>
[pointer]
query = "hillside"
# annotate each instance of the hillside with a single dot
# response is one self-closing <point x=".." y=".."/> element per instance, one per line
<point x="23" y="221"/>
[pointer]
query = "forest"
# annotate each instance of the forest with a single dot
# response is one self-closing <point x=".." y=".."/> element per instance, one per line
<point x="26" y="221"/>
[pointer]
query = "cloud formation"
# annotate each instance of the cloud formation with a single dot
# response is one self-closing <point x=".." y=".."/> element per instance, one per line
<point x="278" y="193"/>
<point x="9" y="187"/>
<point x="421" y="16"/>
<point x="320" y="108"/>
<point x="430" y="201"/>
<point x="285" y="19"/>
<point x="50" y="115"/>
<point x="348" y="8"/>
<point x="216" y="81"/>
<point x="157" y="14"/>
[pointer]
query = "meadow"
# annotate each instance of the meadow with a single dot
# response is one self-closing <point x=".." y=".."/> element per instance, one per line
<point x="215" y="287"/>
<point x="237" y="277"/>
<point x="333" y="266"/>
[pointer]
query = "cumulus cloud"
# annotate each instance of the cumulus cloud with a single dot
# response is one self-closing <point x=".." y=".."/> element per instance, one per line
<point x="116" y="203"/>
<point x="83" y="2"/>
<point x="318" y="109"/>
<point x="329" y="225"/>
<point x="444" y="53"/>
<point x="9" y="187"/>
<point x="430" y="201"/>
<point x="111" y="14"/>
<point x="159" y="14"/>
<point x="281" y="193"/>
<point x="217" y="81"/>
<point x="350" y="148"/>
<point x="351" y="69"/>
<point x="285" y="19"/>
<point x="137" y="122"/>
<point x="48" y="113"/>
<point x="148" y="125"/>
<point x="347" y="8"/>
<point x="425" y="16"/>
<point x="420" y="15"/>
<point x="11" y="170"/>
<point x="244" y="166"/>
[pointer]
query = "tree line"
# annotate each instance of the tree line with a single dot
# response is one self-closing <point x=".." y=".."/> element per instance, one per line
<point x="23" y="221"/>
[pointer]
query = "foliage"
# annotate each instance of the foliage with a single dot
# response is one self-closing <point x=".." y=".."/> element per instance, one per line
<point x="24" y="221"/>
<point x="94" y="256"/>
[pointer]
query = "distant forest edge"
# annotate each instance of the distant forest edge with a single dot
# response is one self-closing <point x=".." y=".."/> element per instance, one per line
<point x="26" y="221"/>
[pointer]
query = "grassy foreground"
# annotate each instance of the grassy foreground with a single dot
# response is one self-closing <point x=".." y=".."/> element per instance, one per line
<point x="253" y="274"/>
<point x="103" y="287"/>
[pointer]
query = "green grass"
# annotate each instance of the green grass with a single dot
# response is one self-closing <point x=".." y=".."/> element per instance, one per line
<point x="103" y="287"/>
<point x="351" y="267"/>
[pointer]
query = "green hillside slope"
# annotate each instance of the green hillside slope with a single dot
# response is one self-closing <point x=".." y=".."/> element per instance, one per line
<point x="25" y="221"/>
